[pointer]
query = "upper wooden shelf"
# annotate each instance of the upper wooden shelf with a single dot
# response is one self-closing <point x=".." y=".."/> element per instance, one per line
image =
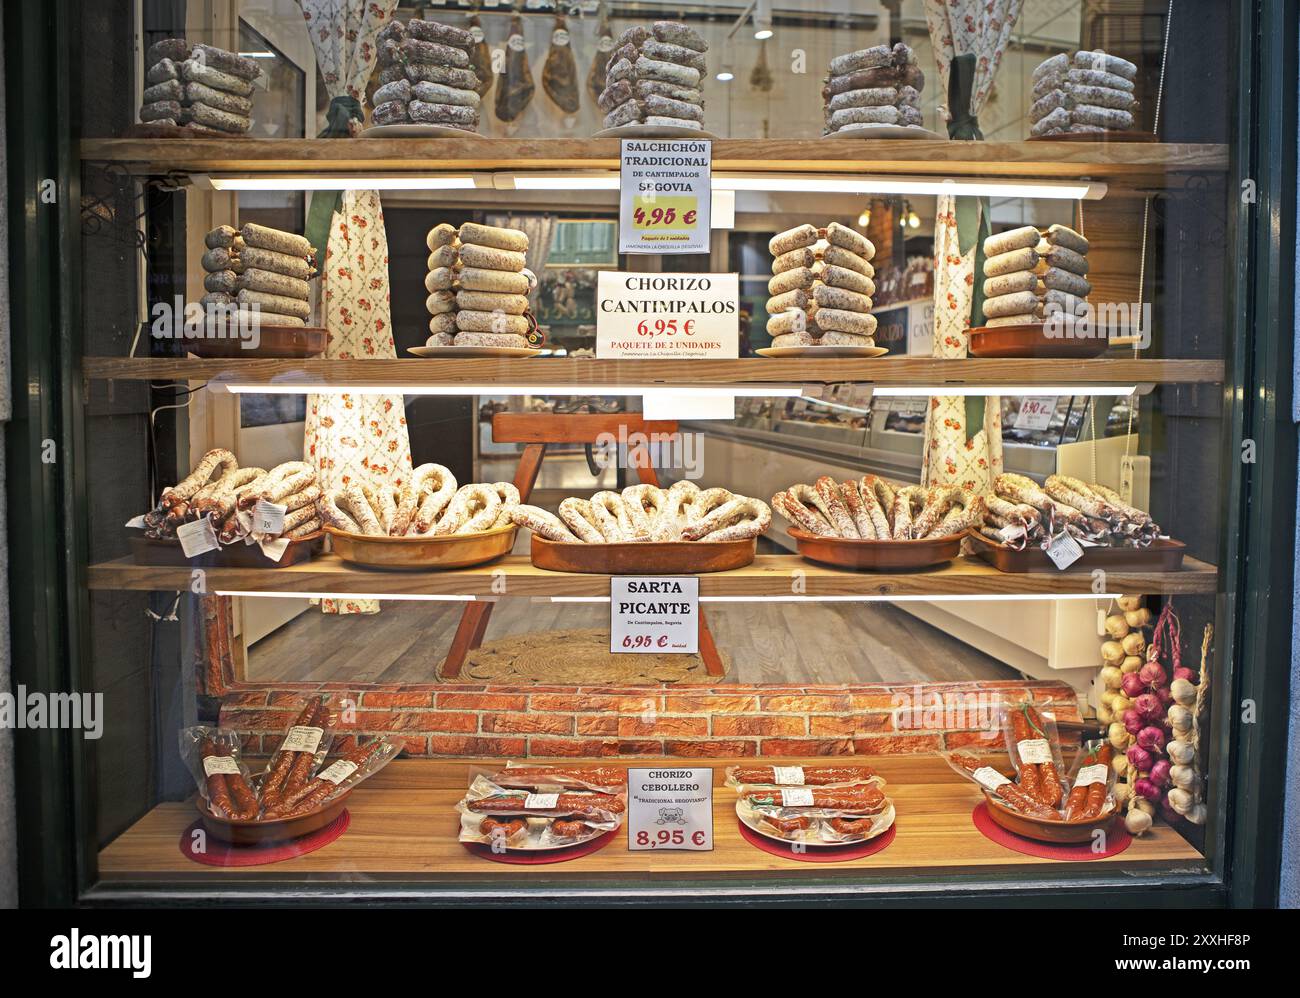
<point x="1122" y="164"/>
<point x="578" y="373"/>
<point x="769" y="575"/>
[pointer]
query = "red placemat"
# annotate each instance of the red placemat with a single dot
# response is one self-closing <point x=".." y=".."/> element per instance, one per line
<point x="818" y="854"/>
<point x="536" y="857"/>
<point x="1117" y="840"/>
<point x="220" y="853"/>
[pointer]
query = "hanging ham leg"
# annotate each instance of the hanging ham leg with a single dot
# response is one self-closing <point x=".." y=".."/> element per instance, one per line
<point x="560" y="71"/>
<point x="516" y="91"/>
<point x="599" y="74"/>
<point x="480" y="58"/>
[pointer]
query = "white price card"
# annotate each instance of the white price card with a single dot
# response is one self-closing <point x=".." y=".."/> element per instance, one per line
<point x="665" y="192"/>
<point x="268" y="517"/>
<point x="302" y="738"/>
<point x="1064" y="550"/>
<point x="197" y="537"/>
<point x="1035" y="412"/>
<point x="654" y="614"/>
<point x="664" y="316"/>
<point x="1089" y="775"/>
<point x="669" y="809"/>
<point x="1034" y="751"/>
<point x="224" y="764"/>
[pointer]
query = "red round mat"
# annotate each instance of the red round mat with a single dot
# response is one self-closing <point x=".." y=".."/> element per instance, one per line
<point x="818" y="854"/>
<point x="1117" y="840"/>
<point x="220" y="853"/>
<point x="537" y="857"/>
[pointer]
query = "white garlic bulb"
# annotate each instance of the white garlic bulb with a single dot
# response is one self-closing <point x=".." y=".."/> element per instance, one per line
<point x="1112" y="652"/>
<point x="1183" y="692"/>
<point x="1140" y="617"/>
<point x="1119" y="763"/>
<point x="1120" y="703"/>
<point x="1112" y="677"/>
<point x="1129" y="603"/>
<point x="1197" y="814"/>
<point x="1116" y="626"/>
<point x="1180" y="718"/>
<point x="1104" y="714"/>
<point x="1180" y="800"/>
<point x="1134" y="644"/>
<point x="1130" y="663"/>
<point x="1182" y="776"/>
<point x="1117" y="735"/>
<point x="1142" y="804"/>
<point x="1180" y="752"/>
<point x="1122" y="792"/>
<point x="1137" y="821"/>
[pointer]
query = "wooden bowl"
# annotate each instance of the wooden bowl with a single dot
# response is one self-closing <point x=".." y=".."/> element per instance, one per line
<point x="1159" y="556"/>
<point x="286" y="342"/>
<point x="1031" y="340"/>
<point x="254" y="832"/>
<point x="651" y="558"/>
<point x="1079" y="830"/>
<point x="414" y="553"/>
<point x="876" y="555"/>
<point x="167" y="551"/>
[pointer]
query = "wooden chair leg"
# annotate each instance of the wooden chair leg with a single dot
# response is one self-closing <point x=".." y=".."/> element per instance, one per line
<point x="473" y="622"/>
<point x="530" y="463"/>
<point x="709" y="651"/>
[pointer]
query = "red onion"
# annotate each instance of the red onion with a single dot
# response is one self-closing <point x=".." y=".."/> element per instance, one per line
<point x="1139" y="758"/>
<point x="1132" y="685"/>
<point x="1182" y="672"/>
<point x="1133" y="722"/>
<point x="1153" y="674"/>
<point x="1165" y="695"/>
<point x="1160" y="773"/>
<point x="1145" y="788"/>
<point x="1151" y="738"/>
<point x="1148" y="705"/>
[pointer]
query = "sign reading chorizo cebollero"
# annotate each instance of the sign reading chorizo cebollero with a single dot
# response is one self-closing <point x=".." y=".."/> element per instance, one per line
<point x="662" y="316"/>
<point x="665" y="191"/>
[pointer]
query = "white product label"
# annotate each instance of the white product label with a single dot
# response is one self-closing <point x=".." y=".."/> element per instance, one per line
<point x="541" y="802"/>
<point x="987" y="776"/>
<point x="560" y="37"/>
<point x="667" y="316"/>
<point x="515" y="43"/>
<point x="213" y="764"/>
<point x="1034" y="751"/>
<point x="476" y="33"/>
<point x="797" y="797"/>
<point x="197" y="537"/>
<point x="1089" y="775"/>
<point x="787" y="775"/>
<point x="337" y="771"/>
<point x="1064" y="550"/>
<point x="137" y="522"/>
<point x="1035" y="412"/>
<point x="665" y="195"/>
<point x="268" y="517"/>
<point x="606" y="44"/>
<point x="657" y="615"/>
<point x="1011" y="532"/>
<point x="302" y="738"/>
<point x="275" y="549"/>
<point x="670" y="809"/>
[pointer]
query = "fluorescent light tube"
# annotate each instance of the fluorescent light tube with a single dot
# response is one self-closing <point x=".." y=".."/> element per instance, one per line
<point x="277" y="594"/>
<point x="334" y="182"/>
<point x="917" y="391"/>
<point x="822" y="184"/>
<point x="560" y="181"/>
<point x="936" y="598"/>
<point x="315" y="388"/>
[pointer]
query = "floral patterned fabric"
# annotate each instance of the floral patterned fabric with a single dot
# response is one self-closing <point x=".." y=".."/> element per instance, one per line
<point x="352" y="438"/>
<point x="953" y="454"/>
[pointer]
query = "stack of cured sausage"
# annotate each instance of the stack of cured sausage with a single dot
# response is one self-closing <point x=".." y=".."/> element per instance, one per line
<point x="1030" y="275"/>
<point x="259" y="270"/>
<point x="200" y="87"/>
<point x="827" y="804"/>
<point x="653" y="77"/>
<point x="1021" y="514"/>
<point x="429" y="505"/>
<point x="1091" y="92"/>
<point x="426" y="76"/>
<point x="875" y="86"/>
<point x="871" y="508"/>
<point x="531" y="807"/>
<point x="228" y="495"/>
<point x="478" y="286"/>
<point x="821" y="287"/>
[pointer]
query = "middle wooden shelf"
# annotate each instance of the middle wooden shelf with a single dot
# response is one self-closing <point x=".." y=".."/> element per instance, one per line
<point x="770" y="576"/>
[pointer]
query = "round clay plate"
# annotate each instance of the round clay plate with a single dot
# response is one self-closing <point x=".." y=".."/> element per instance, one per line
<point x="255" y="831"/>
<point x="880" y="824"/>
<point x="869" y="131"/>
<point x="856" y="553"/>
<point x="473" y="351"/>
<point x="447" y="551"/>
<point x="652" y="132"/>
<point x="643" y="557"/>
<point x="416" y="131"/>
<point x="1125" y="136"/>
<point x="1079" y="830"/>
<point x="781" y="353"/>
<point x="532" y="841"/>
<point x="1031" y="340"/>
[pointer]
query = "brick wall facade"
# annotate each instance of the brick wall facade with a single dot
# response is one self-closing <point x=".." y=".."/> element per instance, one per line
<point x="598" y="722"/>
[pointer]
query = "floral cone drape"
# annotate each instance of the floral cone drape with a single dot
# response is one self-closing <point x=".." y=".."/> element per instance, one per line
<point x="353" y="437"/>
<point x="953" y="454"/>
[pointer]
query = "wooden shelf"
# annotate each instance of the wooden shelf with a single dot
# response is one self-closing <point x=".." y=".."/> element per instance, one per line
<point x="769" y="575"/>
<point x="578" y="373"/>
<point x="404" y="827"/>
<point x="1125" y="165"/>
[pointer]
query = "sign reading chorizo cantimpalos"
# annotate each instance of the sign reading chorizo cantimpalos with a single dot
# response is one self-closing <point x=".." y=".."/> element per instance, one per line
<point x="667" y="315"/>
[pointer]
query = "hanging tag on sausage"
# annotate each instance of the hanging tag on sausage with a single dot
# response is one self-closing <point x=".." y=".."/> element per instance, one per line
<point x="1064" y="551"/>
<point x="541" y="802"/>
<point x="787" y="775"/>
<point x="987" y="776"/>
<point x="1089" y="775"/>
<point x="268" y="517"/>
<point x="1034" y="751"/>
<point x="302" y="738"/>
<point x="797" y="797"/>
<point x="220" y="764"/>
<point x="197" y="537"/>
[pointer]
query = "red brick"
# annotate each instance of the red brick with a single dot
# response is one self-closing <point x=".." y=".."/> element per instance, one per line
<point x="710" y="749"/>
<point x="544" y="724"/>
<point x="539" y="747"/>
<point x="252" y="698"/>
<point x="759" y="724"/>
<point x="257" y="720"/>
<point x="573" y="702"/>
<point x="597" y="724"/>
<point x="482" y="701"/>
<point x="832" y="726"/>
<point x="406" y="699"/>
<point x="806" y="746"/>
<point x="808" y="704"/>
<point x="641" y="746"/>
<point x="416" y="720"/>
<point x="976" y="739"/>
<point x="416" y="745"/>
<point x="472" y="746"/>
<point x="633" y="726"/>
<point x="873" y="701"/>
<point x="897" y="745"/>
<point x="717" y="703"/>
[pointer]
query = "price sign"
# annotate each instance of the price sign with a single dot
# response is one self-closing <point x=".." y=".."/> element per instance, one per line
<point x="1036" y="412"/>
<point x="669" y="809"/>
<point x="667" y="315"/>
<point x="197" y="537"/>
<point x="654" y="615"/>
<point x="665" y="191"/>
<point x="268" y="517"/>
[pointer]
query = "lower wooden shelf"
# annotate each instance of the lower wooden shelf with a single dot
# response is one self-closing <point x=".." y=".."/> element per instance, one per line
<point x="774" y="575"/>
<point x="404" y="828"/>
